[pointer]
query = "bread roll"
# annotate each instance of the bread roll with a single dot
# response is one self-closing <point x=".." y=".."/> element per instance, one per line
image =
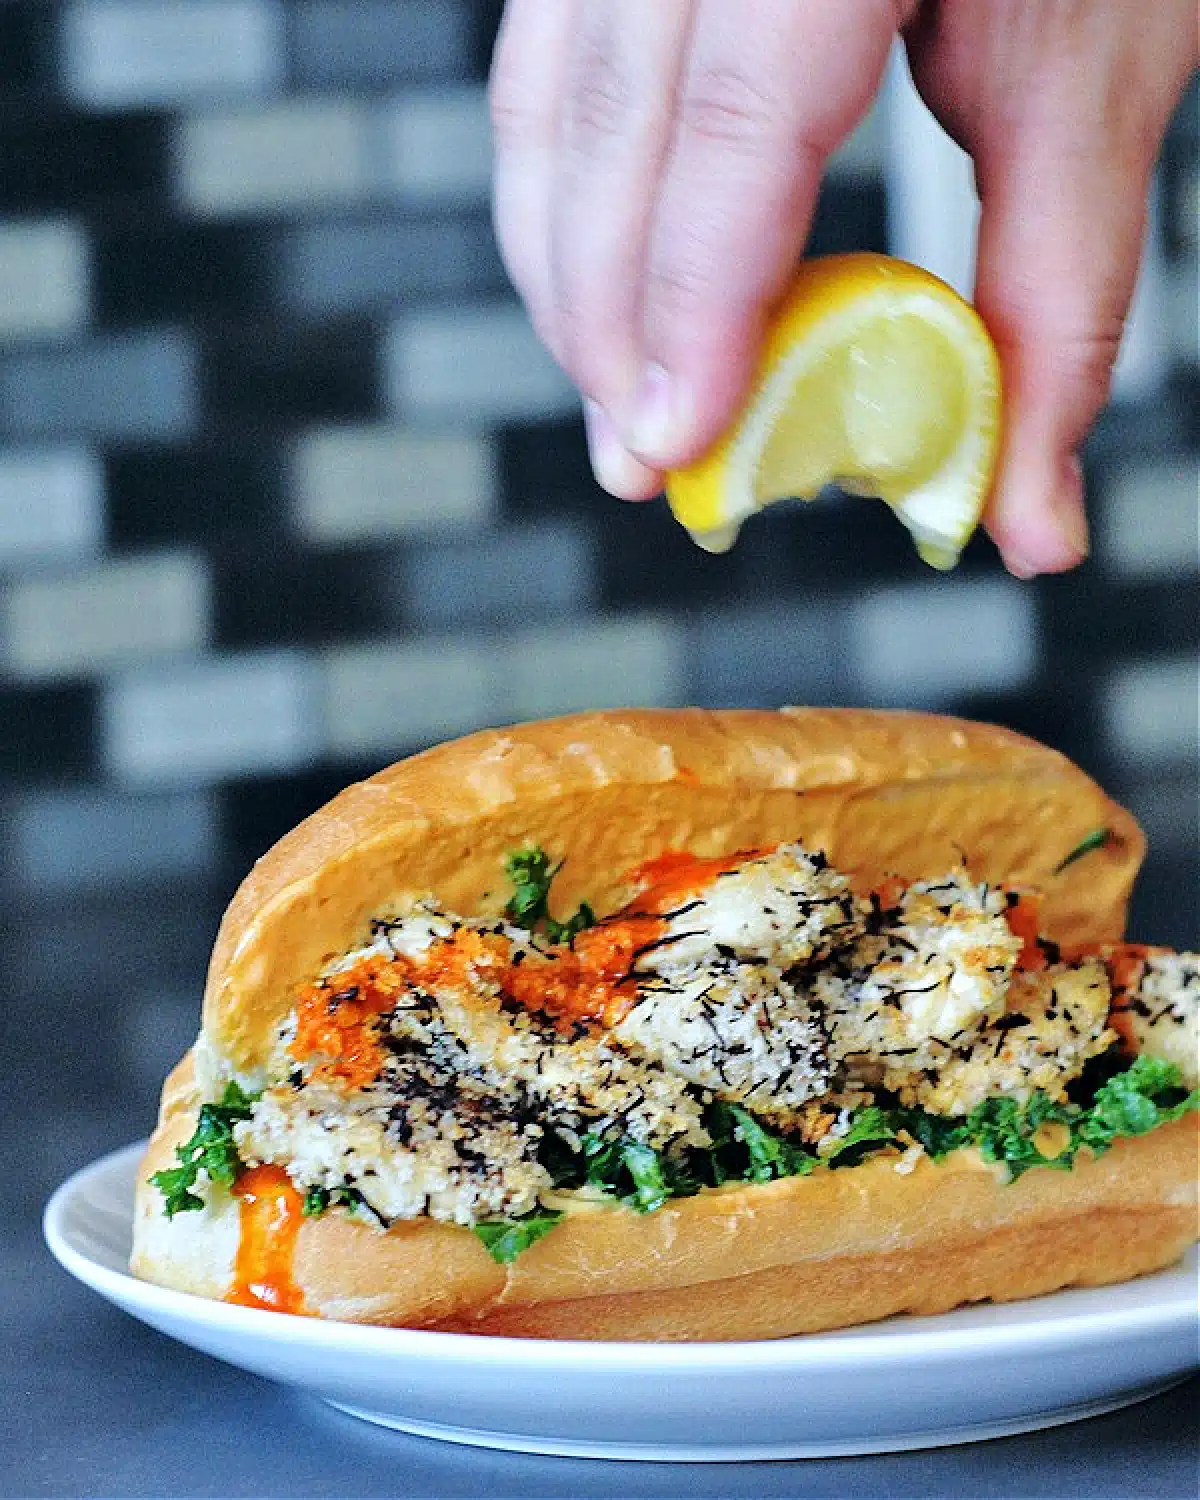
<point x="883" y="794"/>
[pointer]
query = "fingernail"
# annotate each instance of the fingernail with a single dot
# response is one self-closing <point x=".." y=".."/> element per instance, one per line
<point x="1018" y="566"/>
<point x="655" y="415"/>
<point x="615" y="468"/>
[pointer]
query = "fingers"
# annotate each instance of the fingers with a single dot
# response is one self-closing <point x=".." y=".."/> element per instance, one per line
<point x="525" y="88"/>
<point x="616" y="124"/>
<point x="656" y="170"/>
<point x="768" y="91"/>
<point x="614" y="133"/>
<point x="1060" y="239"/>
<point x="1063" y="109"/>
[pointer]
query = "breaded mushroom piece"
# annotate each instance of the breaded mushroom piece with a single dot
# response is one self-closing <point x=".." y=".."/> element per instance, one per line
<point x="923" y="985"/>
<point x="1054" y="1020"/>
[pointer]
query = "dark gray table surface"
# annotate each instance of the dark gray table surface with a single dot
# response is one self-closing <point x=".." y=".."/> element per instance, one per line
<point x="93" y="1404"/>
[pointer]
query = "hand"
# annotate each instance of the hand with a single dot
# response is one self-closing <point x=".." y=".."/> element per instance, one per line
<point x="656" y="171"/>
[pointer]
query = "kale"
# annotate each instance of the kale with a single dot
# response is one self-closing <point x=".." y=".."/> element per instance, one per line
<point x="318" y="1200"/>
<point x="1148" y="1094"/>
<point x="938" y="1134"/>
<point x="1004" y="1131"/>
<point x="870" y="1128"/>
<point x="745" y="1150"/>
<point x="531" y="874"/>
<point x="504" y="1239"/>
<point x="1145" y="1095"/>
<point x="210" y="1150"/>
<point x="637" y="1174"/>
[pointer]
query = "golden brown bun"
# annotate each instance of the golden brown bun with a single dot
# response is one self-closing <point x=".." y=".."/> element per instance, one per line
<point x="796" y="1256"/>
<point x="881" y="793"/>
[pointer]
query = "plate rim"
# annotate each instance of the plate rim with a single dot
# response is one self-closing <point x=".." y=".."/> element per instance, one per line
<point x="886" y="1342"/>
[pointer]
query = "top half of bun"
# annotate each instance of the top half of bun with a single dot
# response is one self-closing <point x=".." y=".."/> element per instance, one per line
<point x="904" y="794"/>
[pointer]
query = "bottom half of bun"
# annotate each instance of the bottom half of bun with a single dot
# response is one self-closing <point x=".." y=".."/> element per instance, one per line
<point x="833" y="1249"/>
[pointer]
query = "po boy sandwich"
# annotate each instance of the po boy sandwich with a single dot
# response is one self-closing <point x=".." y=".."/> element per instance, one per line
<point x="684" y="1025"/>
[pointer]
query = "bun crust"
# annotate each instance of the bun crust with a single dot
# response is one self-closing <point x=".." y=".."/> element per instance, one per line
<point x="881" y="793"/>
<point x="808" y="1253"/>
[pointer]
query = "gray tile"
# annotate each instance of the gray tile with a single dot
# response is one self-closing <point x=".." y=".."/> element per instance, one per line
<point x="439" y="145"/>
<point x="216" y="717"/>
<point x="51" y="504"/>
<point x="763" y="657"/>
<point x="152" y="1029"/>
<point x="384" y="697"/>
<point x="1151" y="712"/>
<point x="57" y="624"/>
<point x="623" y="661"/>
<point x="1167" y="489"/>
<point x="340" y="267"/>
<point x="121" y="53"/>
<point x="79" y="838"/>
<point x="129" y="386"/>
<point x="373" y="482"/>
<point x="45" y="278"/>
<point x="102" y="942"/>
<point x="473" y="363"/>
<point x="298" y="155"/>
<point x="922" y="644"/>
<point x="379" y="41"/>
<point x="509" y="578"/>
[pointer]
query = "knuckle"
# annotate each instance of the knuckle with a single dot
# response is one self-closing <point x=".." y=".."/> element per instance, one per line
<point x="679" y="290"/>
<point x="517" y="122"/>
<point x="730" y="107"/>
<point x="601" y="100"/>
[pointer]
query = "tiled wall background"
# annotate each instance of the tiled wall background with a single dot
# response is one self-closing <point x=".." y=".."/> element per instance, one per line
<point x="288" y="488"/>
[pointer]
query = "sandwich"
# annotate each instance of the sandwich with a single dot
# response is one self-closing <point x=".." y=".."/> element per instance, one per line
<point x="684" y="1025"/>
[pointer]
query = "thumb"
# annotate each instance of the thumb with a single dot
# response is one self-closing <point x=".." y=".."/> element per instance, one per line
<point x="1059" y="243"/>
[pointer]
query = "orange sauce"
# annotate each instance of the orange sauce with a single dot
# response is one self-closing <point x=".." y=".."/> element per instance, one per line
<point x="271" y="1211"/>
<point x="1024" y="922"/>
<point x="1126" y="965"/>
<point x="593" y="981"/>
<point x="668" y="877"/>
<point x="331" y="1018"/>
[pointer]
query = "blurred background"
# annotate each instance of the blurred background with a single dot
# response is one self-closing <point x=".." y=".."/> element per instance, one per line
<point x="288" y="489"/>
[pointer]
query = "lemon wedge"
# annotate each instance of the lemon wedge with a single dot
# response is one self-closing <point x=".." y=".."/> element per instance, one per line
<point x="875" y="376"/>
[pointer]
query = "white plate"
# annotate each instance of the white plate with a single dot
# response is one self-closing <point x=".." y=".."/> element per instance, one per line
<point x="907" y="1383"/>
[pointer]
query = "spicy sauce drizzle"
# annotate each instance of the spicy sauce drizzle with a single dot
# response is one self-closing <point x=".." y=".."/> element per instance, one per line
<point x="271" y="1211"/>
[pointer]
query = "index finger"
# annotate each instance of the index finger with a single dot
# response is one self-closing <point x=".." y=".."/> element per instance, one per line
<point x="769" y="91"/>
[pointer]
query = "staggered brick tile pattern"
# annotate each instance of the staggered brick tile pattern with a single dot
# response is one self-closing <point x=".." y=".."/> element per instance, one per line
<point x="289" y="488"/>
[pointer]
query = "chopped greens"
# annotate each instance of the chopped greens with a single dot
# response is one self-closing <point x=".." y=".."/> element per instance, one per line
<point x="318" y="1200"/>
<point x="870" y="1128"/>
<point x="744" y="1150"/>
<point x="504" y="1239"/>
<point x="1097" y="839"/>
<point x="1146" y="1095"/>
<point x="210" y="1150"/>
<point x="531" y="875"/>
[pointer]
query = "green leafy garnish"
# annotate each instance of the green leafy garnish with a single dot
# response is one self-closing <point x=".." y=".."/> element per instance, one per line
<point x="768" y="1155"/>
<point x="318" y="1200"/>
<point x="635" y="1173"/>
<point x="1097" y="839"/>
<point x="1004" y="1131"/>
<point x="504" y="1239"/>
<point x="210" y="1150"/>
<point x="1150" y="1093"/>
<point x="869" y="1127"/>
<point x="531" y="875"/>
